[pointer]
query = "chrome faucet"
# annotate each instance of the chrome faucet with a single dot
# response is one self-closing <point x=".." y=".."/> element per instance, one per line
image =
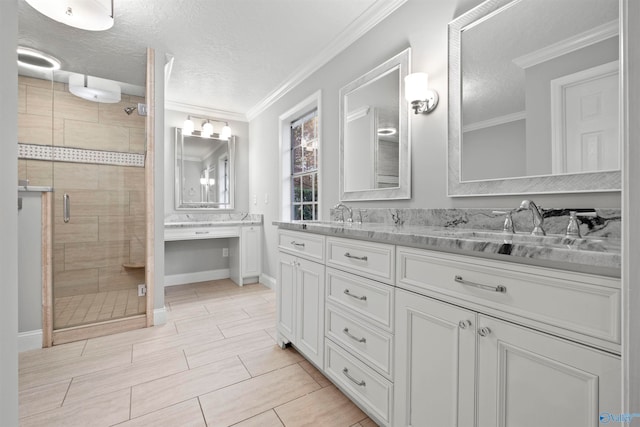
<point x="342" y="207"/>
<point x="538" y="220"/>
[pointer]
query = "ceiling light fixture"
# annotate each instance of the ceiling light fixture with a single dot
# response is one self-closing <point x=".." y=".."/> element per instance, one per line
<point x="36" y="60"/>
<point x="387" y="131"/>
<point x="94" y="88"/>
<point x="91" y="15"/>
<point x="188" y="128"/>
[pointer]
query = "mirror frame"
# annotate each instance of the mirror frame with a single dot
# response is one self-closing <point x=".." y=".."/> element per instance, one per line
<point x="209" y="206"/>
<point x="565" y="183"/>
<point x="402" y="62"/>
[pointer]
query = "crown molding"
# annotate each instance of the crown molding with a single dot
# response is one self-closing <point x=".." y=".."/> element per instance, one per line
<point x="568" y="45"/>
<point x="501" y="120"/>
<point x="369" y="19"/>
<point x="198" y="109"/>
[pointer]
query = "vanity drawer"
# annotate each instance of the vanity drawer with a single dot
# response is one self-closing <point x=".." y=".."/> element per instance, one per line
<point x="373" y="260"/>
<point x="307" y="245"/>
<point x="374" y="347"/>
<point x="364" y="297"/>
<point x="196" y="233"/>
<point x="360" y="382"/>
<point x="560" y="302"/>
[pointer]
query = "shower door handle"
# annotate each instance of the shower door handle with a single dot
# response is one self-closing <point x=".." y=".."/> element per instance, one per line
<point x="66" y="208"/>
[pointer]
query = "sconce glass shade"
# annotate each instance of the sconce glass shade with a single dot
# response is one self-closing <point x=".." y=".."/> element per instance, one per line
<point x="203" y="181"/>
<point x="212" y="181"/>
<point x="187" y="127"/>
<point x="226" y="132"/>
<point x="416" y="87"/>
<point x="207" y="130"/>
<point x="91" y="15"/>
<point x="94" y="88"/>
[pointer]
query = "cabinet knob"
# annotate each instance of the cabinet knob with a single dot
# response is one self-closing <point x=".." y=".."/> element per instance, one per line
<point x="464" y="324"/>
<point x="484" y="331"/>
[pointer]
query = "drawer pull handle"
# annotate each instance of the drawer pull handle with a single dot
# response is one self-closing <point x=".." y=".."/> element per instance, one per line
<point x="294" y="243"/>
<point x="361" y="298"/>
<point x="202" y="232"/>
<point x="359" y="258"/>
<point x="353" y="337"/>
<point x="360" y="383"/>
<point x="499" y="288"/>
<point x="484" y="331"/>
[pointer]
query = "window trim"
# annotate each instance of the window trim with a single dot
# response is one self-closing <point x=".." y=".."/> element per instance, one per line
<point x="284" y="143"/>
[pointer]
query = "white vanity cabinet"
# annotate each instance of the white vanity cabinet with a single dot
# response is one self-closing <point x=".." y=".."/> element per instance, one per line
<point x="459" y="362"/>
<point x="359" y="327"/>
<point x="251" y="250"/>
<point x="300" y="294"/>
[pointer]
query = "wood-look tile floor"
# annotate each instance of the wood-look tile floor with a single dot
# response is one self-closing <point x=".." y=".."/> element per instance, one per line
<point x="215" y="363"/>
<point x="88" y="308"/>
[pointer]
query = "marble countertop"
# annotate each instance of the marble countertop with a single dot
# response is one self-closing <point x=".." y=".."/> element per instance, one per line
<point x="211" y="220"/>
<point x="596" y="255"/>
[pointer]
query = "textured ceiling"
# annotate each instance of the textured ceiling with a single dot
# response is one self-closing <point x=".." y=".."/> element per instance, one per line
<point x="229" y="55"/>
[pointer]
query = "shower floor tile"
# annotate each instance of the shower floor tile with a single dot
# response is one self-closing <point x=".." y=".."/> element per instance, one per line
<point x="89" y="308"/>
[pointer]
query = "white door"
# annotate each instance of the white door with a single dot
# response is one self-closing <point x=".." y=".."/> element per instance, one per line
<point x="531" y="379"/>
<point x="585" y="120"/>
<point x="435" y="363"/>
<point x="285" y="295"/>
<point x="310" y="313"/>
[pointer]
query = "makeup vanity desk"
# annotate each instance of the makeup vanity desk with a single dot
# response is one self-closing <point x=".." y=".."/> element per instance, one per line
<point x="244" y="232"/>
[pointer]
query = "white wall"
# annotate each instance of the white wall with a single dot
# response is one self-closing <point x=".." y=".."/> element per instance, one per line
<point x="9" y="213"/>
<point x="422" y="25"/>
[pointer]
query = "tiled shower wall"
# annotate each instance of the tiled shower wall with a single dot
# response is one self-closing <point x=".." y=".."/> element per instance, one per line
<point x="107" y="227"/>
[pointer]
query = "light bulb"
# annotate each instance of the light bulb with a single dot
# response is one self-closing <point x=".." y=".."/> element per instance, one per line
<point x="187" y="127"/>
<point x="212" y="181"/>
<point x="203" y="181"/>
<point x="207" y="130"/>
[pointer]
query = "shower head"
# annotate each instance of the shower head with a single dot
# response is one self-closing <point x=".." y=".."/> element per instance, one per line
<point x="130" y="110"/>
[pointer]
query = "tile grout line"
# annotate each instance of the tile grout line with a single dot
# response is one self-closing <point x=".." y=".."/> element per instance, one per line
<point x="202" y="411"/>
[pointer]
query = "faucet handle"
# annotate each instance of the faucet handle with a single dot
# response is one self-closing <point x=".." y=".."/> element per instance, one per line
<point x="508" y="226"/>
<point x="573" y="229"/>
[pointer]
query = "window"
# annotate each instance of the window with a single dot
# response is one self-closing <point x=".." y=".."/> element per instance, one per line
<point x="304" y="167"/>
<point x="300" y="167"/>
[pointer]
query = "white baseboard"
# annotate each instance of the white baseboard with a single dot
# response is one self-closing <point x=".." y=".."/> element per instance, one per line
<point x="199" y="276"/>
<point x="30" y="340"/>
<point x="268" y="281"/>
<point x="159" y="316"/>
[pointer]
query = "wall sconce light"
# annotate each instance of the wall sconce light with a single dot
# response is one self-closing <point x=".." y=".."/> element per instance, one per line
<point x="417" y="92"/>
<point x="94" y="88"/>
<point x="91" y="15"/>
<point x="188" y="128"/>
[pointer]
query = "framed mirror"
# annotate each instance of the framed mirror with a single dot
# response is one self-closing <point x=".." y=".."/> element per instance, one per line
<point x="374" y="134"/>
<point x="204" y="172"/>
<point x="534" y="98"/>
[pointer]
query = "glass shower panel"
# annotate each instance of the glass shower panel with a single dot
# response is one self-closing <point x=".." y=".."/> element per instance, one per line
<point x="99" y="210"/>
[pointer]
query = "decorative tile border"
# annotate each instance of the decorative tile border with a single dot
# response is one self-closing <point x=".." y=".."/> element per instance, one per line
<point x="79" y="155"/>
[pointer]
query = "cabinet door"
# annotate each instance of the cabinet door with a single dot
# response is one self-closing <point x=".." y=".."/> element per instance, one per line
<point x="434" y="364"/>
<point x="310" y="310"/>
<point x="285" y="295"/>
<point x="251" y="250"/>
<point x="530" y="379"/>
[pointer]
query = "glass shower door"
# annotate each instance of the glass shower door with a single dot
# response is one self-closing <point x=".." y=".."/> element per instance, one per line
<point x="99" y="210"/>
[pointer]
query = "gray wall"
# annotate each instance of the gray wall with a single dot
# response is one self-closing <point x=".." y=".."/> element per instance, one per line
<point x="422" y="25"/>
<point x="206" y="254"/>
<point x="175" y="119"/>
<point x="9" y="213"/>
<point x="30" y="262"/>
